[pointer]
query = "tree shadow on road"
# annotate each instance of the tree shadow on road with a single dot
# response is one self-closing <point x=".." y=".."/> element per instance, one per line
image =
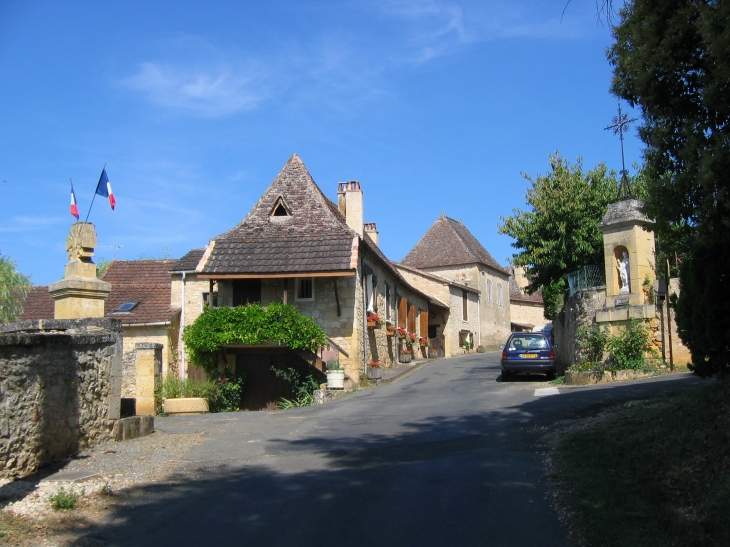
<point x="466" y="480"/>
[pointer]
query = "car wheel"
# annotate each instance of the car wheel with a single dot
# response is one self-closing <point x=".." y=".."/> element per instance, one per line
<point x="505" y="376"/>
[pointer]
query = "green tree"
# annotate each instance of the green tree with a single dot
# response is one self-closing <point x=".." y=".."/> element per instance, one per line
<point x="560" y="232"/>
<point x="14" y="287"/>
<point x="671" y="59"/>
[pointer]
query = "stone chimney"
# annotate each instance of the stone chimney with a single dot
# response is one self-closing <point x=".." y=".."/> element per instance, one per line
<point x="80" y="294"/>
<point x="349" y="201"/>
<point x="372" y="231"/>
<point x="520" y="279"/>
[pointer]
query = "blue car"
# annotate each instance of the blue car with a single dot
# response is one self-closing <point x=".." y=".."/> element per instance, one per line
<point x="528" y="352"/>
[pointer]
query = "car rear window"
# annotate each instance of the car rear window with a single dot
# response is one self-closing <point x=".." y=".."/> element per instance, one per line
<point x="534" y="341"/>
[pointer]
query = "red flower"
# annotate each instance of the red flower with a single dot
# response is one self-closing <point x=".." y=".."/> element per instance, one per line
<point x="224" y="380"/>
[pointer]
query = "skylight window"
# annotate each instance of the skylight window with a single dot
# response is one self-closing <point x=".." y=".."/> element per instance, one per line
<point x="127" y="306"/>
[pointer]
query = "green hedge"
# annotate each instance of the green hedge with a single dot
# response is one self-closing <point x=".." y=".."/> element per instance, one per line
<point x="251" y="325"/>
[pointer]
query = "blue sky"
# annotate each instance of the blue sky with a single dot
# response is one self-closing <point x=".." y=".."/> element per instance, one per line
<point x="195" y="107"/>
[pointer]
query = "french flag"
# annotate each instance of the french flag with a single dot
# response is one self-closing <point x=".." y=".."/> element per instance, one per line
<point x="74" y="206"/>
<point x="104" y="188"/>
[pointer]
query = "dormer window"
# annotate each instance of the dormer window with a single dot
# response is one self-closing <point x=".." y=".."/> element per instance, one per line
<point x="280" y="210"/>
<point x="127" y="306"/>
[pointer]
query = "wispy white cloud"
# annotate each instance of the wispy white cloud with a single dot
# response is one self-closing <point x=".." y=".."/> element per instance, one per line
<point x="342" y="66"/>
<point x="29" y="224"/>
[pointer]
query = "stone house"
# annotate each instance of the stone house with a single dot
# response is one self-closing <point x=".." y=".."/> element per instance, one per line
<point x="298" y="247"/>
<point x="140" y="298"/>
<point x="450" y="251"/>
<point x="527" y="311"/>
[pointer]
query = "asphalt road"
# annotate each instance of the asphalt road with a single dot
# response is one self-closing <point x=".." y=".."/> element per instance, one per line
<point x="446" y="456"/>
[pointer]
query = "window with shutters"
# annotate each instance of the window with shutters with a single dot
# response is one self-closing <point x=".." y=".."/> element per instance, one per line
<point x="402" y="312"/>
<point x="424" y="323"/>
<point x="412" y="318"/>
<point x="499" y="294"/>
<point x="489" y="291"/>
<point x="464" y="305"/>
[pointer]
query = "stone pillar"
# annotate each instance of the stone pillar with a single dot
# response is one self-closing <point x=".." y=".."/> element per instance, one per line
<point x="149" y="376"/>
<point x="80" y="294"/>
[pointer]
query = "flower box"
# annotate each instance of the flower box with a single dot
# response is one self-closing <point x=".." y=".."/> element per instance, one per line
<point x="185" y="405"/>
<point x="374" y="373"/>
<point x="372" y="324"/>
<point x="405" y="357"/>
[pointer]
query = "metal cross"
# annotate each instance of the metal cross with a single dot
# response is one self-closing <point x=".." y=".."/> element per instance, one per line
<point x="619" y="126"/>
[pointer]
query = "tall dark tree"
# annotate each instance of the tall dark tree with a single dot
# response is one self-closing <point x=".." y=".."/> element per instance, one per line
<point x="672" y="60"/>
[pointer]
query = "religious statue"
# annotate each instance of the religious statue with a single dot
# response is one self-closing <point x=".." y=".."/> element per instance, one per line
<point x="623" y="272"/>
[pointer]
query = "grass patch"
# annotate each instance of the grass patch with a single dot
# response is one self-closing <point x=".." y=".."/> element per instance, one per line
<point x="651" y="473"/>
<point x="559" y="380"/>
<point x="64" y="500"/>
<point x="13" y="529"/>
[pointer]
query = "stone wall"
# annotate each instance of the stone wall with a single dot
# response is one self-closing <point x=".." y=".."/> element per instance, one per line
<point x="60" y="387"/>
<point x="579" y="309"/>
<point x="527" y="312"/>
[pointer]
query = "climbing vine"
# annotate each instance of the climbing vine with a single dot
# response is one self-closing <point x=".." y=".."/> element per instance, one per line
<point x="251" y="325"/>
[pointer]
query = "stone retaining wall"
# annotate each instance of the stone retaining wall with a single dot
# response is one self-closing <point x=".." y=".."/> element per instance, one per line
<point x="60" y="387"/>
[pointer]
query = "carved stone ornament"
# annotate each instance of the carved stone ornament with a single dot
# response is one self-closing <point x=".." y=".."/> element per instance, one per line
<point x="81" y="242"/>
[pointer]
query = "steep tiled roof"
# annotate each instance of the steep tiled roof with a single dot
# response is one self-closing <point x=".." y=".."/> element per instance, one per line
<point x="38" y="305"/>
<point x="446" y="243"/>
<point x="138" y="272"/>
<point x="516" y="294"/>
<point x="313" y="237"/>
<point x="189" y="262"/>
<point x="439" y="278"/>
<point x="147" y="281"/>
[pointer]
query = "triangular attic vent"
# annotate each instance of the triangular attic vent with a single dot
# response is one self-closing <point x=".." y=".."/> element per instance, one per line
<point x="280" y="209"/>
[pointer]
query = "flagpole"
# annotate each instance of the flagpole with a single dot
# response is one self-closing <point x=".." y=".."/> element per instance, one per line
<point x="93" y="198"/>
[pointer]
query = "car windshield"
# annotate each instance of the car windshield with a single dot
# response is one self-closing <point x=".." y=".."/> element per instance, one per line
<point x="528" y="342"/>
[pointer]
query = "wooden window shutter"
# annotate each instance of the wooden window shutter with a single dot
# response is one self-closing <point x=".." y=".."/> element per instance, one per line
<point x="412" y="318"/>
<point x="424" y="323"/>
<point x="402" y="312"/>
<point x="464" y="306"/>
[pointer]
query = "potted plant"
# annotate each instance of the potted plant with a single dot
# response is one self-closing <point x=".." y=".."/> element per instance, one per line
<point x="374" y="371"/>
<point x="467" y="346"/>
<point x="401" y="332"/>
<point x="389" y="329"/>
<point x="480" y="349"/>
<point x="406" y="355"/>
<point x="373" y="320"/>
<point x="335" y="375"/>
<point x="424" y="342"/>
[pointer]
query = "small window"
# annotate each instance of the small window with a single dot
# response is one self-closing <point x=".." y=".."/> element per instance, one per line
<point x="280" y="210"/>
<point x="127" y="306"/>
<point x="464" y="305"/>
<point x="305" y="289"/>
<point x="489" y="291"/>
<point x="499" y="294"/>
<point x="205" y="301"/>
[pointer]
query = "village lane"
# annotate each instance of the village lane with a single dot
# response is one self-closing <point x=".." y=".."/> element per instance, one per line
<point x="445" y="456"/>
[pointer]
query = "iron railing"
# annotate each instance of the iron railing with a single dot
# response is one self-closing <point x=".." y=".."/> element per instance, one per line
<point x="586" y="277"/>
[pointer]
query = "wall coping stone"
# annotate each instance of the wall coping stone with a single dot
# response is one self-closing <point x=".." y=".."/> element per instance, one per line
<point x="70" y="326"/>
<point x="45" y="339"/>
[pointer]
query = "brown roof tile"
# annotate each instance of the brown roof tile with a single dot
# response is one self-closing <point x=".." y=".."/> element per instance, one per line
<point x="38" y="305"/>
<point x="314" y="237"/>
<point x="145" y="280"/>
<point x="446" y="243"/>
<point x="189" y="262"/>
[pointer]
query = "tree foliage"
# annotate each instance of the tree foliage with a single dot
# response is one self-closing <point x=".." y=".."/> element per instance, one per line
<point x="671" y="59"/>
<point x="560" y="232"/>
<point x="14" y="287"/>
<point x="252" y="324"/>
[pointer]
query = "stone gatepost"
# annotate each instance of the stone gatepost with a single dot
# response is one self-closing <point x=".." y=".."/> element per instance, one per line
<point x="80" y="294"/>
<point x="149" y="376"/>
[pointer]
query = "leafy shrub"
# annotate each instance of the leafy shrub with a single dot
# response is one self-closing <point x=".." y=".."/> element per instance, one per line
<point x="252" y="324"/>
<point x="628" y="349"/>
<point x="63" y="500"/>
<point x="592" y="342"/>
<point x="226" y="396"/>
<point x="175" y="388"/>
<point x="303" y="386"/>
